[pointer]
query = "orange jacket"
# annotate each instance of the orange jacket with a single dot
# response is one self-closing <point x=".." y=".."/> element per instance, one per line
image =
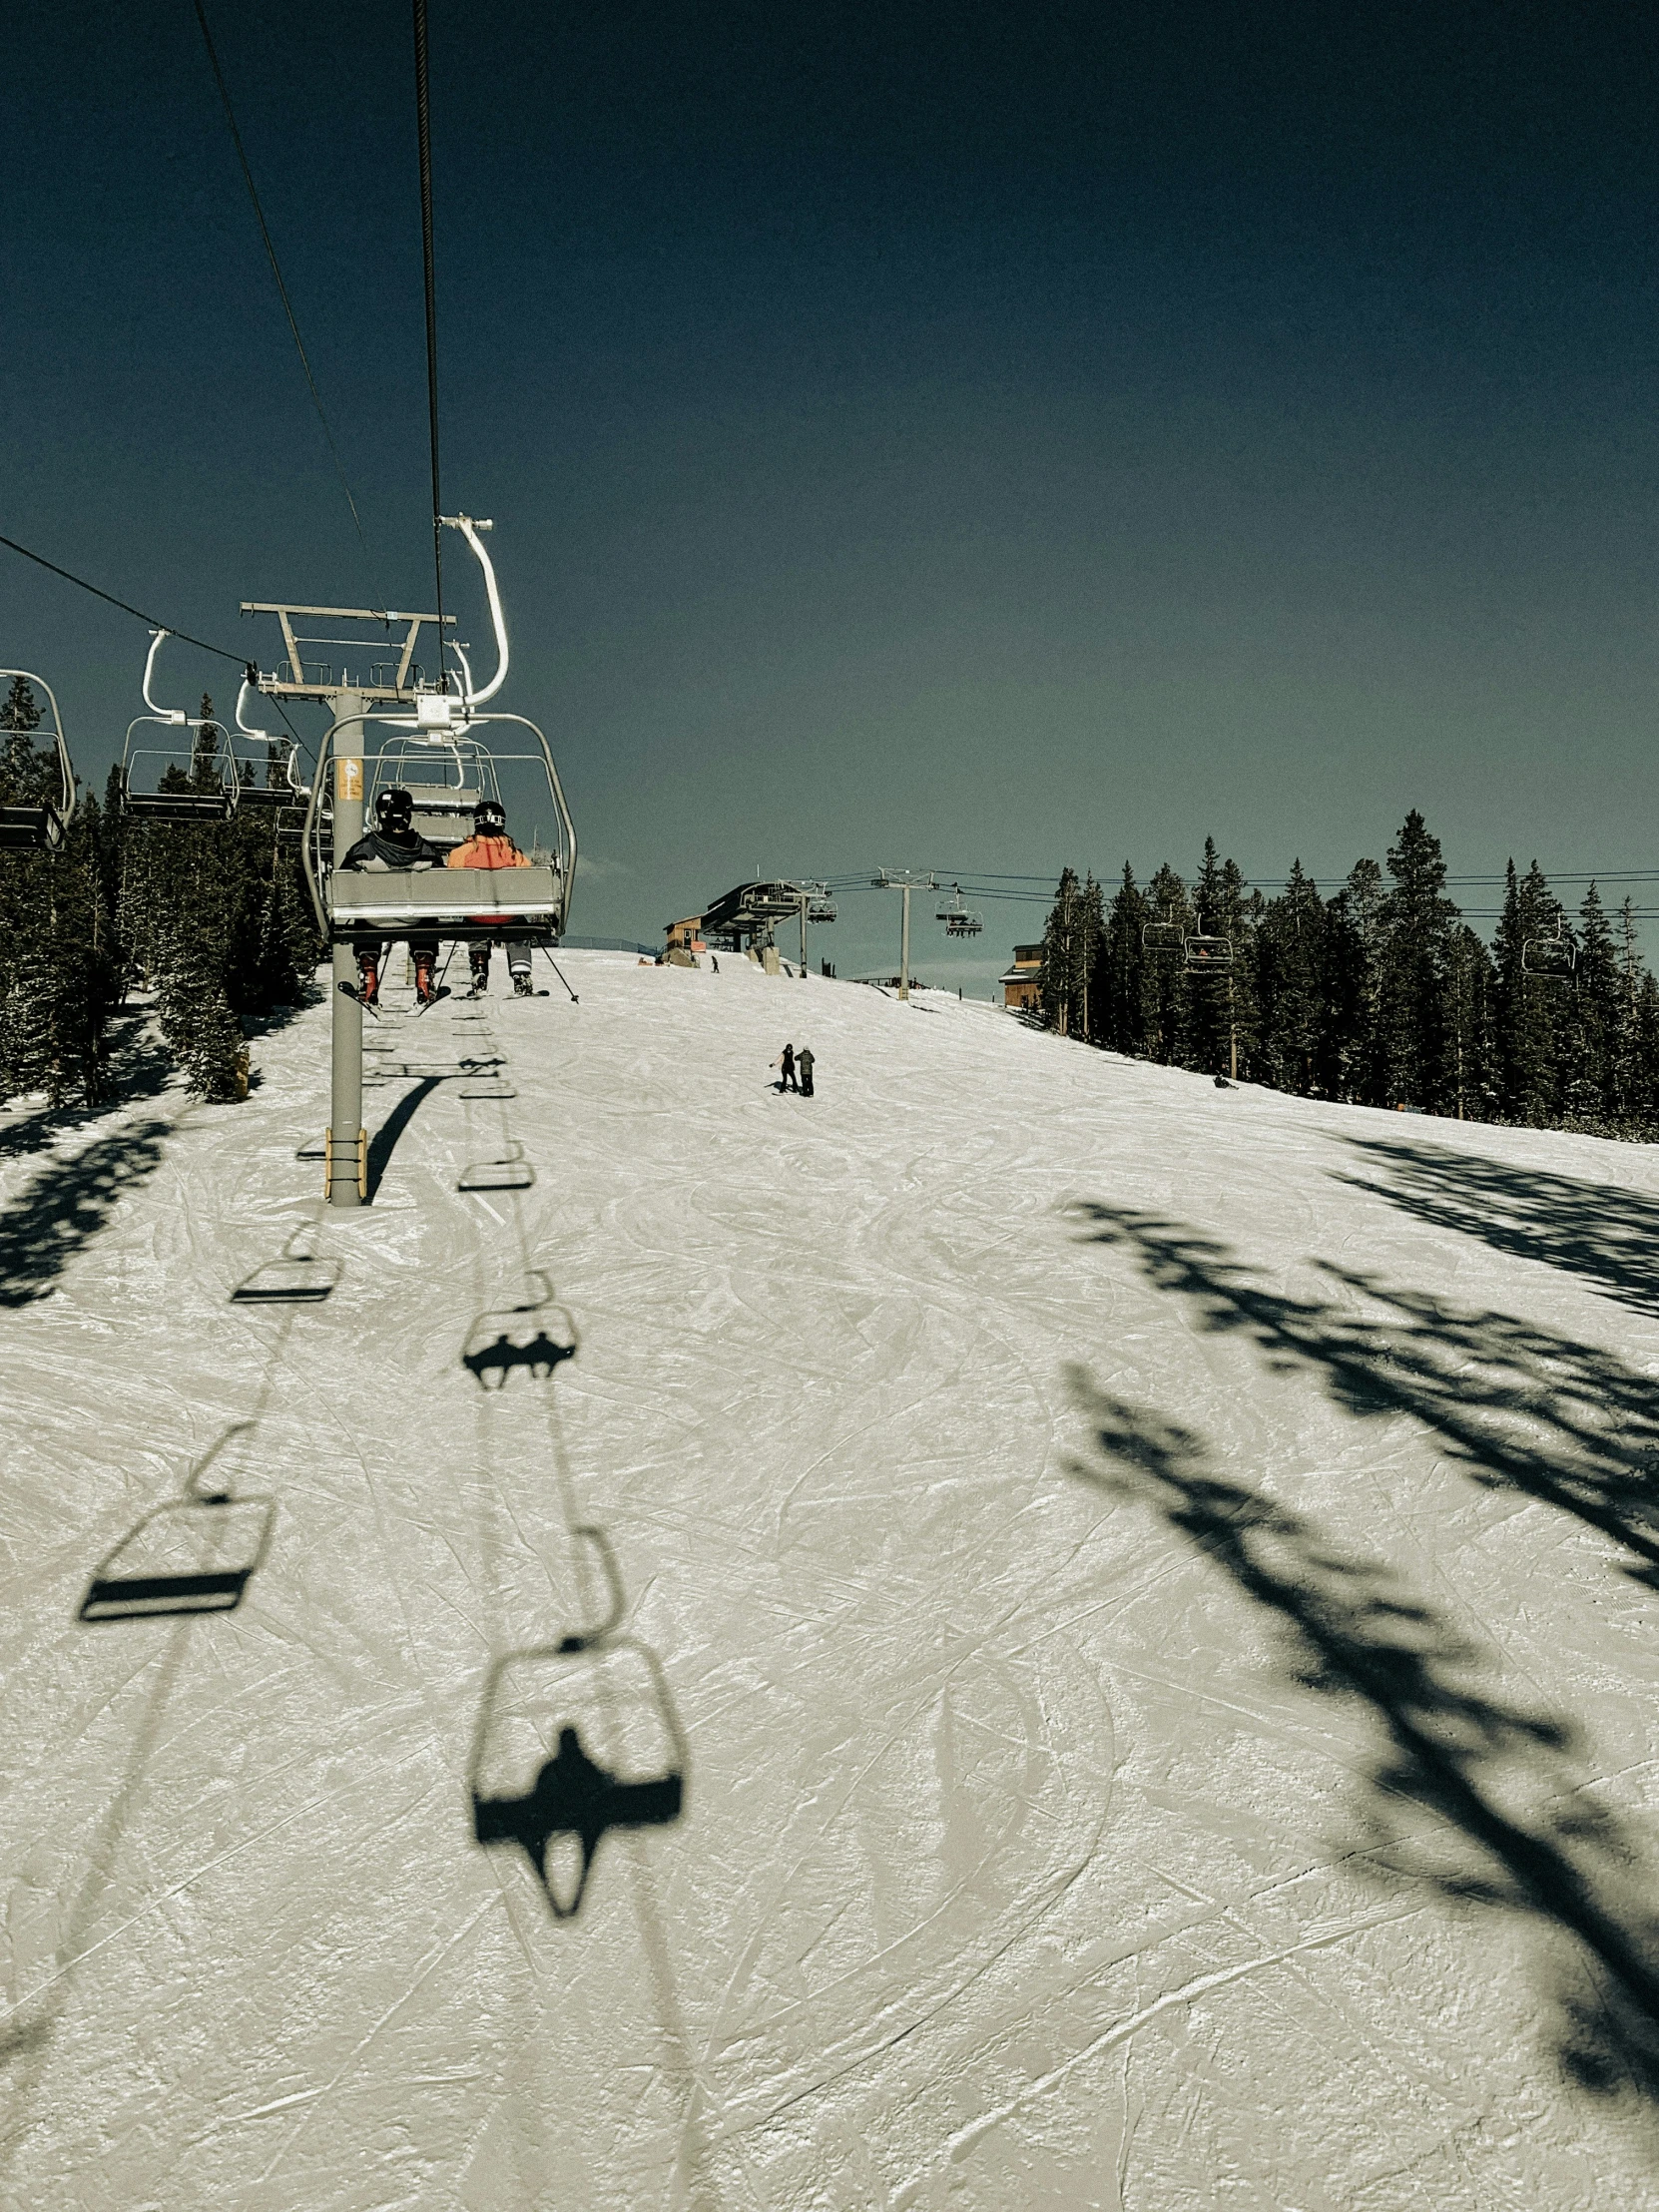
<point x="487" y="852"/>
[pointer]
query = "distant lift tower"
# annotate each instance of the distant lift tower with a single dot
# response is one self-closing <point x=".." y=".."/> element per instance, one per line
<point x="391" y="682"/>
<point x="900" y="880"/>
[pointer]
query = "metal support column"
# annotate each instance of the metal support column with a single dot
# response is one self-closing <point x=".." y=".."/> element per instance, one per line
<point x="345" y="1181"/>
<point x="904" y="949"/>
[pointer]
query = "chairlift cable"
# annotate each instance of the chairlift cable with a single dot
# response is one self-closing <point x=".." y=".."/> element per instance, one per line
<point x="283" y="292"/>
<point x="423" y="123"/>
<point x="155" y="623"/>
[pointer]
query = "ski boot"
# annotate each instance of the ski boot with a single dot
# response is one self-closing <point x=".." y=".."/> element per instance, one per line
<point x="424" y="991"/>
<point x="368" y="981"/>
<point x="480" y="964"/>
<point x="522" y="985"/>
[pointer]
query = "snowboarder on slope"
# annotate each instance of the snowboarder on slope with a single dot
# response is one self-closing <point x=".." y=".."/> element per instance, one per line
<point x="804" y="1065"/>
<point x="786" y="1081"/>
<point x="393" y="846"/>
<point x="490" y="847"/>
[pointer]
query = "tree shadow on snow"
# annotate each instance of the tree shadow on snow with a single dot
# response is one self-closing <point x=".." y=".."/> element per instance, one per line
<point x="1609" y="1236"/>
<point x="1514" y="1827"/>
<point x="1521" y="1408"/>
<point x="67" y="1203"/>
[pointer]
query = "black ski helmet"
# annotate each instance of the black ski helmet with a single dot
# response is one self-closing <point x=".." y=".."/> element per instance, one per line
<point x="395" y="810"/>
<point x="489" y="816"/>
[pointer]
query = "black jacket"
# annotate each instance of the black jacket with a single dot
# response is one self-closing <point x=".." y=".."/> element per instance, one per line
<point x="378" y="853"/>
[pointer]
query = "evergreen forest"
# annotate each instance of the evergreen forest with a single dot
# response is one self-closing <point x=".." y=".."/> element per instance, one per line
<point x="209" y="916"/>
<point x="1380" y="994"/>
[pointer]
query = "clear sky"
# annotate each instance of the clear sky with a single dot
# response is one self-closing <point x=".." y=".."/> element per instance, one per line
<point x="981" y="438"/>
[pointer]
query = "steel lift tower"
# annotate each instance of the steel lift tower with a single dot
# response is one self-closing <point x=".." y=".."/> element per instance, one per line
<point x="345" y="1175"/>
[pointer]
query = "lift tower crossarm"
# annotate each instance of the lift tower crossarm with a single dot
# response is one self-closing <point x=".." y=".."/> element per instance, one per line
<point x="299" y="688"/>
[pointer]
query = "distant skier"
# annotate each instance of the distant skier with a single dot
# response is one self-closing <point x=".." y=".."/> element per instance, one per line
<point x="490" y="847"/>
<point x="393" y="846"/>
<point x="804" y="1066"/>
<point x="786" y="1080"/>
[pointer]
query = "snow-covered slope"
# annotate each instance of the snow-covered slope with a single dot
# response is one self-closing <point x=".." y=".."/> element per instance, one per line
<point x="1155" y="1583"/>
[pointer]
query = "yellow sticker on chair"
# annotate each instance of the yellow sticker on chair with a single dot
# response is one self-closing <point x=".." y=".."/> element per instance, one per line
<point x="349" y="779"/>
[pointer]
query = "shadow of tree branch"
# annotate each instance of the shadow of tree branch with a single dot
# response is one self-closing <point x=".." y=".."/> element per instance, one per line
<point x="1607" y="1236"/>
<point x="1524" y="1408"/>
<point x="67" y="1203"/>
<point x="1516" y="1829"/>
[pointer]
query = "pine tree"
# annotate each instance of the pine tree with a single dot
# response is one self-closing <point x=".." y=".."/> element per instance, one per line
<point x="1417" y="919"/>
<point x="1118" y="989"/>
<point x="1219" y="1029"/>
<point x="1631" y="1072"/>
<point x="1590" y="1025"/>
<point x="1290" y="980"/>
<point x="1472" y="1019"/>
<point x="1529" y="1004"/>
<point x="1063" y="957"/>
<point x="28" y="772"/>
<point x="1164" y="971"/>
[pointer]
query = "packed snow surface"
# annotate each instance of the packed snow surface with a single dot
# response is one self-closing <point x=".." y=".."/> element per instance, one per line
<point x="1149" y="1590"/>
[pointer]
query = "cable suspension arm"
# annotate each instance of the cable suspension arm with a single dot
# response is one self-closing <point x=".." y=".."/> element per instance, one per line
<point x="423" y="121"/>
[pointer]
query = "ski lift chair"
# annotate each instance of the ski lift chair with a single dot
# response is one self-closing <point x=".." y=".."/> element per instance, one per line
<point x="1203" y="950"/>
<point x="449" y="755"/>
<point x="575" y="1738"/>
<point x="282" y="791"/>
<point x="195" y="781"/>
<point x="963" y="924"/>
<point x="38" y="825"/>
<point x="1550" y="960"/>
<point x="1167" y="936"/>
<point x="821" y="910"/>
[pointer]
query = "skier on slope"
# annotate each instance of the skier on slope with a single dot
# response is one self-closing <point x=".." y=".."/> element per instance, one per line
<point x="786" y="1081"/>
<point x="804" y="1067"/>
<point x="393" y="844"/>
<point x="490" y="847"/>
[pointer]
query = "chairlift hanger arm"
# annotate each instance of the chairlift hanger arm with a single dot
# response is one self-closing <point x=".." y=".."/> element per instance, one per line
<point x="469" y="528"/>
<point x="174" y="715"/>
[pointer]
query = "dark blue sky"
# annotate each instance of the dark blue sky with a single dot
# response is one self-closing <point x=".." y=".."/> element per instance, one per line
<point x="985" y="438"/>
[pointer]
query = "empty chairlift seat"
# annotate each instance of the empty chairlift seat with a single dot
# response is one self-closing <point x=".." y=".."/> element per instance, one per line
<point x="176" y="768"/>
<point x="34" y="817"/>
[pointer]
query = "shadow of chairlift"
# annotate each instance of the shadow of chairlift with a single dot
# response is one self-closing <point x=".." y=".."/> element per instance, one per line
<point x="196" y="1554"/>
<point x="518" y="1337"/>
<point x="512" y="1173"/>
<point x="293" y="1279"/>
<point x="501" y="1091"/>
<point x="575" y="1738"/>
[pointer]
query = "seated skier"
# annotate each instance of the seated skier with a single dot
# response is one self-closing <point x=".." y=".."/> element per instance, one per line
<point x="490" y="847"/>
<point x="393" y="844"/>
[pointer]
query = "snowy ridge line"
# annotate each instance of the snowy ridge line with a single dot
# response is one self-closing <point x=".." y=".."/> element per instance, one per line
<point x="957" y="2146"/>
